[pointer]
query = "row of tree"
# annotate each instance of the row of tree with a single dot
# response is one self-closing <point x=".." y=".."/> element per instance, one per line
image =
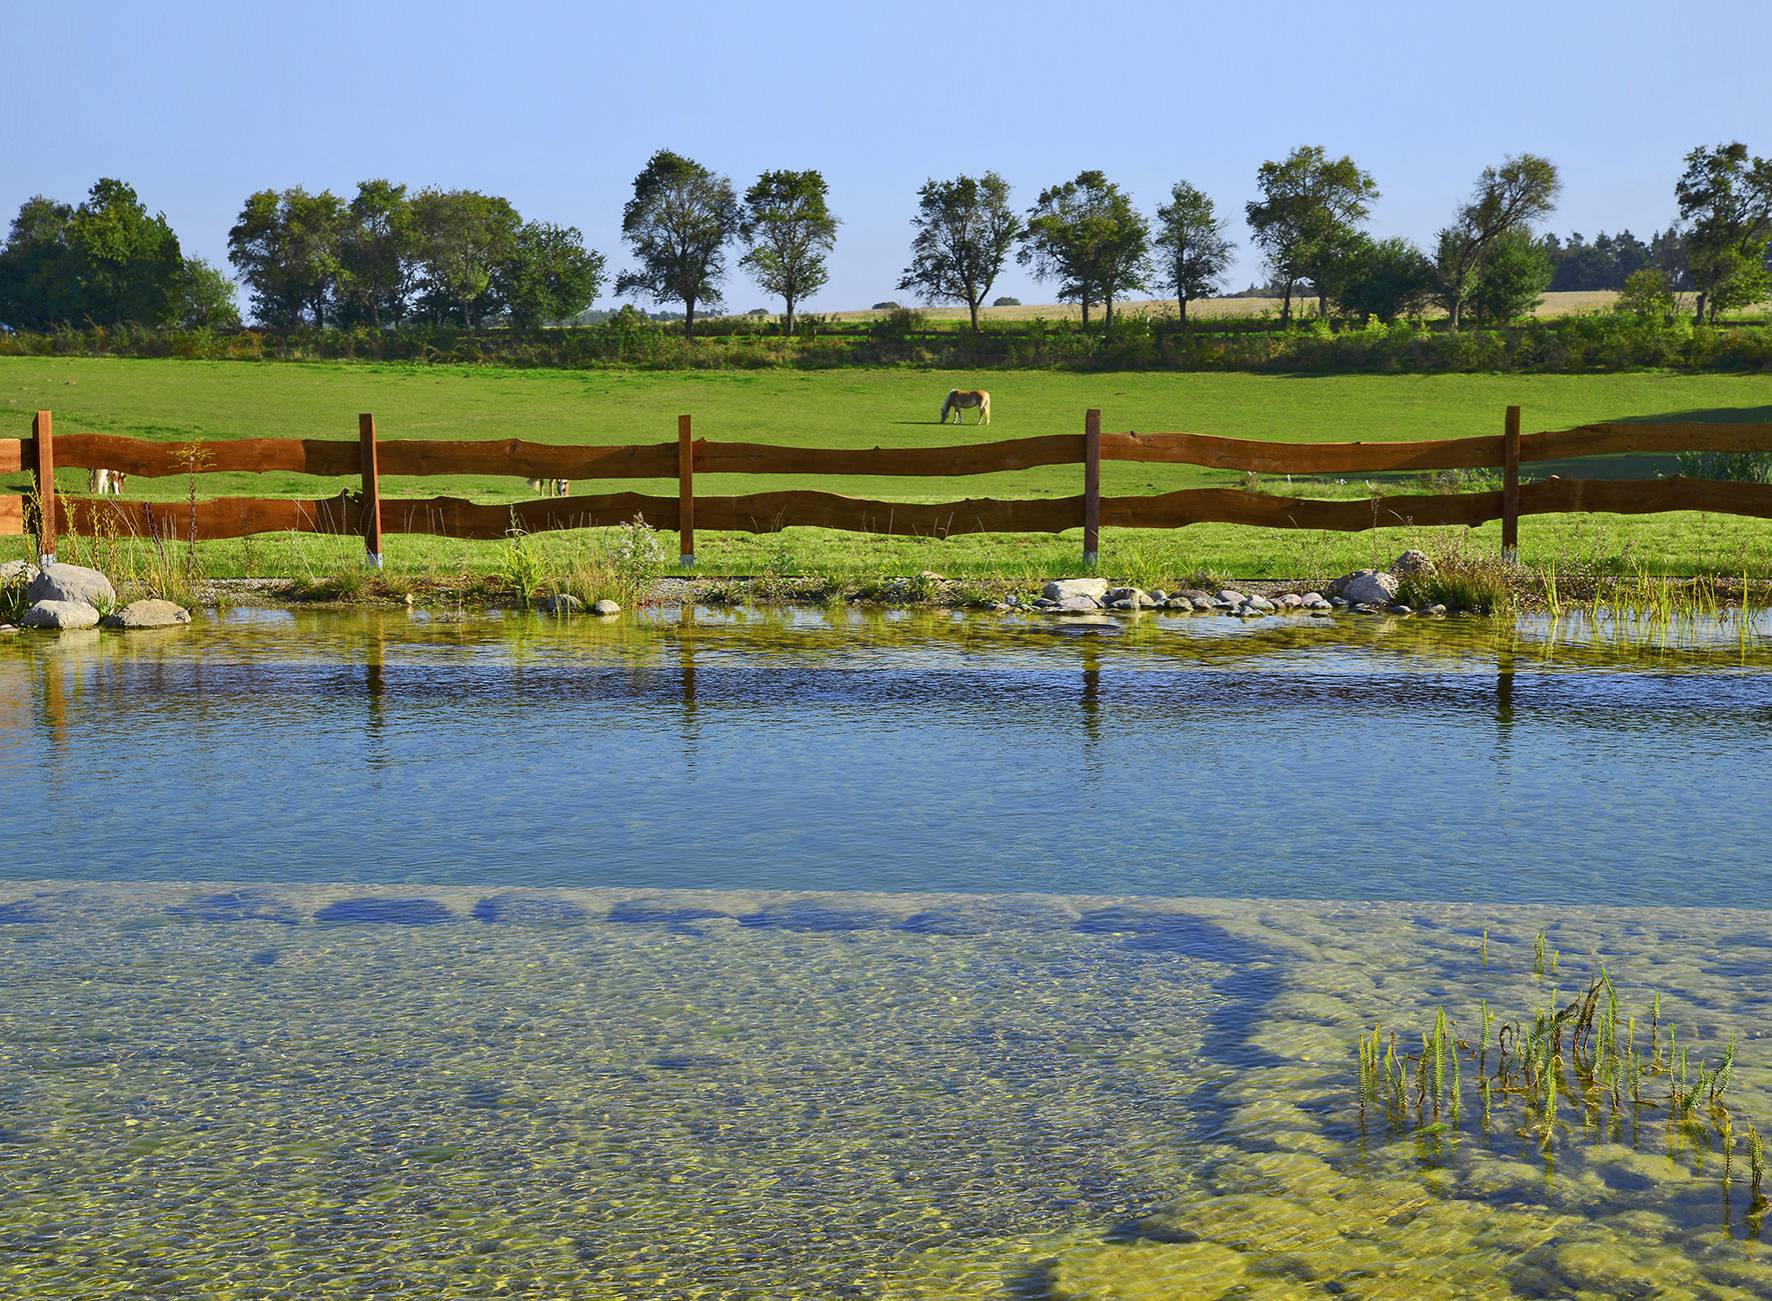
<point x="462" y="257"/>
<point x="107" y="260"/>
<point x="386" y="256"/>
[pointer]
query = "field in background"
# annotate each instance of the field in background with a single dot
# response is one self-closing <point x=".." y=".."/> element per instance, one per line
<point x="1563" y="304"/>
<point x="185" y="401"/>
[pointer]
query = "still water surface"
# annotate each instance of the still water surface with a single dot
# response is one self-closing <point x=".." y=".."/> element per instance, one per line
<point x="1350" y="760"/>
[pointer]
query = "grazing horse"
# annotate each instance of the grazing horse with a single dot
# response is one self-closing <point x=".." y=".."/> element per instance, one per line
<point x="106" y="483"/>
<point x="551" y="487"/>
<point x="961" y="398"/>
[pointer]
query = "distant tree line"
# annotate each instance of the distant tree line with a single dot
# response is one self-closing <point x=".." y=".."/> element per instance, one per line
<point x="387" y="257"/>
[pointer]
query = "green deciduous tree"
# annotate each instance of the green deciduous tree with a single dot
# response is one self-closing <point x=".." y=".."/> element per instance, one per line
<point x="788" y="226"/>
<point x="550" y="275"/>
<point x="1086" y="234"/>
<point x="286" y="247"/>
<point x="1649" y="294"/>
<point x="107" y="261"/>
<point x="678" y="224"/>
<point x="1725" y="199"/>
<point x="206" y="298"/>
<point x="36" y="273"/>
<point x="460" y="239"/>
<point x="1511" y="278"/>
<point x="965" y="232"/>
<point x="1309" y="216"/>
<point x="1192" y="252"/>
<point x="1507" y="200"/>
<point x="1386" y="278"/>
<point x="376" y="264"/>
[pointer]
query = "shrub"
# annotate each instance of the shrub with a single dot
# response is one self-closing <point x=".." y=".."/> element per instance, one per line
<point x="1006" y="302"/>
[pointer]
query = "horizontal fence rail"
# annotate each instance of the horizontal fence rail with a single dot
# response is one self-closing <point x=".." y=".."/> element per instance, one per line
<point x="364" y="512"/>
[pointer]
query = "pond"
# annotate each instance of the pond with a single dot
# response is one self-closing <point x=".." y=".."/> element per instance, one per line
<point x="821" y="953"/>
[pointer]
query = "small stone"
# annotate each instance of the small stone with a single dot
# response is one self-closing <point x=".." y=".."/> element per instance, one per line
<point x="1290" y="601"/>
<point x="1044" y="603"/>
<point x="563" y="603"/>
<point x="1312" y="598"/>
<point x="930" y="576"/>
<point x="1002" y="607"/>
<point x="61" y="614"/>
<point x="1124" y="603"/>
<point x="1435" y="609"/>
<point x="1074" y="605"/>
<point x="1412" y="562"/>
<point x="1260" y="603"/>
<point x="1230" y="596"/>
<point x="17" y="571"/>
<point x="1399" y="608"/>
<point x="147" y="614"/>
<point x="72" y="583"/>
<point x="1204" y="604"/>
<point x="1159" y="595"/>
<point x="1339" y="603"/>
<point x="605" y="607"/>
<point x="1369" y="587"/>
<point x="1179" y="603"/>
<point x="1062" y="589"/>
<point x="1360" y="607"/>
<point x="1012" y="601"/>
<point x="8" y="627"/>
<point x="1194" y="594"/>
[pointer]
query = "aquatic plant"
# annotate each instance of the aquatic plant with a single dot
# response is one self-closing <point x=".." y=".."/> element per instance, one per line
<point x="1580" y="1054"/>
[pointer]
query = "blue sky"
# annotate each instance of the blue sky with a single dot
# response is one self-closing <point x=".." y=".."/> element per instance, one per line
<point x="557" y="106"/>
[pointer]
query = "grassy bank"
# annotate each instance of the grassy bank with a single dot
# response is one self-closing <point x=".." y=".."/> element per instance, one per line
<point x="182" y="401"/>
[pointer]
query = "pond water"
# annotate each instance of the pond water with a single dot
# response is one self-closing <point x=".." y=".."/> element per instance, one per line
<point x="740" y="954"/>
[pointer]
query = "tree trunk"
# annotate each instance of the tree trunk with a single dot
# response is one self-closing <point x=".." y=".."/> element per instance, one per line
<point x="1107" y="314"/>
<point x="972" y="306"/>
<point x="1181" y="306"/>
<point x="790" y="318"/>
<point x="1698" y="316"/>
<point x="1286" y="306"/>
<point x="1322" y="304"/>
<point x="688" y="318"/>
<point x="1085" y="313"/>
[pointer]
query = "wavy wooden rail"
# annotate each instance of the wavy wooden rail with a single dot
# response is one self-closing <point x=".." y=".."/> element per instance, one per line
<point x="366" y="513"/>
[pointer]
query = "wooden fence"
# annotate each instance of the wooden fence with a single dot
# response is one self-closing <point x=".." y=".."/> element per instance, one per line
<point x="365" y="513"/>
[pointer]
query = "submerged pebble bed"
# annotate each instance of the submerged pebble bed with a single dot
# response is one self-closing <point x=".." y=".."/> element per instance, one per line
<point x="349" y="1091"/>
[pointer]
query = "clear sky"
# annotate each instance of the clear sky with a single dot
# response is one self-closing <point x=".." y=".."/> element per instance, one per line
<point x="558" y="106"/>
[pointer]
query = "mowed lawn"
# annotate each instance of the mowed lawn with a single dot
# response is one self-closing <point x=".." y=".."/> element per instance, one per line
<point x="182" y="401"/>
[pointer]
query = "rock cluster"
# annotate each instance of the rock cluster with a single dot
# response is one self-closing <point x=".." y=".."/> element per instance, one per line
<point x="72" y="596"/>
<point x="1366" y="591"/>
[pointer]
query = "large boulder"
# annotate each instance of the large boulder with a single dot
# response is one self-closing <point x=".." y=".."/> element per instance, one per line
<point x="1063" y="589"/>
<point x="17" y="571"/>
<point x="72" y="583"/>
<point x="1369" y="587"/>
<point x="1412" y="562"/>
<point x="61" y="614"/>
<point x="148" y="614"/>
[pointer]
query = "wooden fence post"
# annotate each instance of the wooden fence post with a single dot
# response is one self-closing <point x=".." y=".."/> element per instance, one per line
<point x="1091" y="488"/>
<point x="371" y="489"/>
<point x="43" y="477"/>
<point x="685" y="494"/>
<point x="1510" y="487"/>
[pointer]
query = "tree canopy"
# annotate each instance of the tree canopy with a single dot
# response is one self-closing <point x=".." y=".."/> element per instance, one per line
<point x="1506" y="201"/>
<point x="107" y="261"/>
<point x="1192" y="251"/>
<point x="678" y="224"/>
<point x="788" y="228"/>
<point x="1309" y="216"/>
<point x="965" y="230"/>
<point x="1087" y="234"/>
<point x="1725" y="198"/>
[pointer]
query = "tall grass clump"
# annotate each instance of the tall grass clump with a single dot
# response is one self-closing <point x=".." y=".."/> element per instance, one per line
<point x="1567" y="1071"/>
<point x="1460" y="577"/>
<point x="622" y="565"/>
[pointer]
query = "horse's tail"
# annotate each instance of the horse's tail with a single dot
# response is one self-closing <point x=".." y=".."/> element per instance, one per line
<point x="946" y="405"/>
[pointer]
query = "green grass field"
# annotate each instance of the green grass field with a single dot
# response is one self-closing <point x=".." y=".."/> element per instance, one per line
<point x="185" y="400"/>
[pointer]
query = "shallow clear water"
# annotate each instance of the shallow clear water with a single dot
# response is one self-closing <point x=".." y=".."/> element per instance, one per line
<point x="744" y="955"/>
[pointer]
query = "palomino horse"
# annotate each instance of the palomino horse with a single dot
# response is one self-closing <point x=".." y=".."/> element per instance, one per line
<point x="961" y="398"/>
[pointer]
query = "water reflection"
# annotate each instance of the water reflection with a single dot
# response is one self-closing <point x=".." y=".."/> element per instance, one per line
<point x="836" y="748"/>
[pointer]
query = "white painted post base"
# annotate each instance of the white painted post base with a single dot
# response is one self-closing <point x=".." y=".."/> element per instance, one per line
<point x="375" y="560"/>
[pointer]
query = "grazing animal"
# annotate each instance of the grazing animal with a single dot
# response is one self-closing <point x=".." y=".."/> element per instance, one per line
<point x="106" y="483"/>
<point x="958" y="400"/>
<point x="551" y="487"/>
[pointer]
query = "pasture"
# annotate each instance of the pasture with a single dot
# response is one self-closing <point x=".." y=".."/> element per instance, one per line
<point x="182" y="402"/>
